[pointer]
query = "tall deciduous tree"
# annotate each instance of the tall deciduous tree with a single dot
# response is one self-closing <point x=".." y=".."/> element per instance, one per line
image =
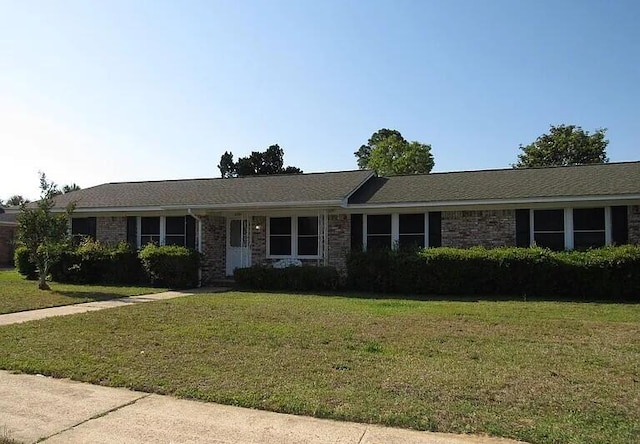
<point x="388" y="153"/>
<point x="565" y="145"/>
<point x="269" y="162"/>
<point x="43" y="232"/>
<point x="69" y="188"/>
<point x="16" y="200"/>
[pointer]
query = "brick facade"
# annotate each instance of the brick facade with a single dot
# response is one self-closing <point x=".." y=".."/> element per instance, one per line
<point x="339" y="241"/>
<point x="111" y="229"/>
<point x="7" y="239"/>
<point x="486" y="228"/>
<point x="214" y="247"/>
<point x="634" y="224"/>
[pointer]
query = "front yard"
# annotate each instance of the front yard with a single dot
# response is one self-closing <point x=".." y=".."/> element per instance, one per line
<point x="537" y="371"/>
<point x="19" y="294"/>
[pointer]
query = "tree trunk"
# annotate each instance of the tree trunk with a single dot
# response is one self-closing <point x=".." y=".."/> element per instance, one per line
<point x="42" y="281"/>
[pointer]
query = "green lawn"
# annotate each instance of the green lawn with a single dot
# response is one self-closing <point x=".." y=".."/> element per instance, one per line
<point x="542" y="372"/>
<point x="19" y="294"/>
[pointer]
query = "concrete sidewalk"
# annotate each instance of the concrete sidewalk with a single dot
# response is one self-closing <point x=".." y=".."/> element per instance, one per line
<point x="37" y="408"/>
<point x="32" y="315"/>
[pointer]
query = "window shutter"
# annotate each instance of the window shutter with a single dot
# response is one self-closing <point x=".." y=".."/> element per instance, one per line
<point x="190" y="232"/>
<point x="132" y="231"/>
<point x="523" y="228"/>
<point x="356" y="232"/>
<point x="619" y="225"/>
<point x="435" y="229"/>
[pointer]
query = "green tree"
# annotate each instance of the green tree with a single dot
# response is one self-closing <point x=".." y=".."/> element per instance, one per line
<point x="269" y="162"/>
<point x="388" y="153"/>
<point x="43" y="232"/>
<point x="565" y="145"/>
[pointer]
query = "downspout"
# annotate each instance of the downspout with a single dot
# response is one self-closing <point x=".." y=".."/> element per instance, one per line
<point x="199" y="220"/>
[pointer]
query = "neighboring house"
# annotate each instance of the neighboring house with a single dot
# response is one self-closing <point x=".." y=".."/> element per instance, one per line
<point x="319" y="218"/>
<point x="7" y="237"/>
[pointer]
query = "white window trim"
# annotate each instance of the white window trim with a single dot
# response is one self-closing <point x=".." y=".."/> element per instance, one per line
<point x="395" y="229"/>
<point x="569" y="231"/>
<point x="294" y="239"/>
<point x="163" y="230"/>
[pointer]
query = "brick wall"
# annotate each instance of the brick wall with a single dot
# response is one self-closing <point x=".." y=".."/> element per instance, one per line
<point x="339" y="241"/>
<point x="634" y="224"/>
<point x="111" y="229"/>
<point x="259" y="240"/>
<point x="214" y="248"/>
<point x="487" y="228"/>
<point x="7" y="238"/>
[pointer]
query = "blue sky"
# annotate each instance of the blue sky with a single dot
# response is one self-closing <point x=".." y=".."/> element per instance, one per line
<point x="105" y="91"/>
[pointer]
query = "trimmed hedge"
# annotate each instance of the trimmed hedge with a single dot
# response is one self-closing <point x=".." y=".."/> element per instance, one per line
<point x="304" y="278"/>
<point x="171" y="265"/>
<point x="94" y="262"/>
<point x="607" y="273"/>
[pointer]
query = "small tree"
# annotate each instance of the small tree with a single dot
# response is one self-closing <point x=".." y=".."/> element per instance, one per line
<point x="42" y="232"/>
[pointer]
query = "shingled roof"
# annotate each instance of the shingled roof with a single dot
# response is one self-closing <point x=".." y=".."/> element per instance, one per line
<point x="296" y="189"/>
<point x="613" y="179"/>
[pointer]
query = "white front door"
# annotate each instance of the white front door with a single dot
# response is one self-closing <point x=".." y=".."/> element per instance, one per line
<point x="238" y="250"/>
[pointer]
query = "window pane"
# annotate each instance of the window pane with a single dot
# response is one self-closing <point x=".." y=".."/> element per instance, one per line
<point x="280" y="225"/>
<point x="149" y="239"/>
<point x="379" y="224"/>
<point x="308" y="226"/>
<point x="411" y="241"/>
<point x="174" y="240"/>
<point x="280" y="245"/>
<point x="235" y="233"/>
<point x="150" y="225"/>
<point x="548" y="220"/>
<point x="378" y="242"/>
<point x="175" y="225"/>
<point x="554" y="241"/>
<point x="411" y="223"/>
<point x="308" y="246"/>
<point x="586" y="240"/>
<point x="588" y="219"/>
<point x="79" y="225"/>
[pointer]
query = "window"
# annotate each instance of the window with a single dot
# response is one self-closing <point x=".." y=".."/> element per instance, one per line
<point x="175" y="231"/>
<point x="280" y="236"/>
<point x="588" y="228"/>
<point x="411" y="231"/>
<point x="307" y="236"/>
<point x="83" y="226"/>
<point x="548" y="229"/>
<point x="149" y="230"/>
<point x="378" y="231"/>
<point x="294" y="237"/>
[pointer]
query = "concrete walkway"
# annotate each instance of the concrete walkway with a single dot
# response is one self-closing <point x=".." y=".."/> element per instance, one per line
<point x="40" y="409"/>
<point x="32" y="315"/>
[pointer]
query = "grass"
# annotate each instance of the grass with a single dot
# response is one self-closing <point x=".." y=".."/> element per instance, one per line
<point x="542" y="372"/>
<point x="19" y="294"/>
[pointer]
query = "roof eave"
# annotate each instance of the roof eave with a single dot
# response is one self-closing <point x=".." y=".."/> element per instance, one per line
<point x="494" y="202"/>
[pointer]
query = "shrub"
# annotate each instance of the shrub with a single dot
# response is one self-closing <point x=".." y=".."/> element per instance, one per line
<point x="23" y="264"/>
<point x="92" y="262"/>
<point x="610" y="273"/>
<point x="304" y="278"/>
<point x="171" y="265"/>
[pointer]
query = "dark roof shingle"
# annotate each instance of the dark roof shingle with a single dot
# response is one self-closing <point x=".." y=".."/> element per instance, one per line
<point x="508" y="184"/>
<point x="282" y="189"/>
